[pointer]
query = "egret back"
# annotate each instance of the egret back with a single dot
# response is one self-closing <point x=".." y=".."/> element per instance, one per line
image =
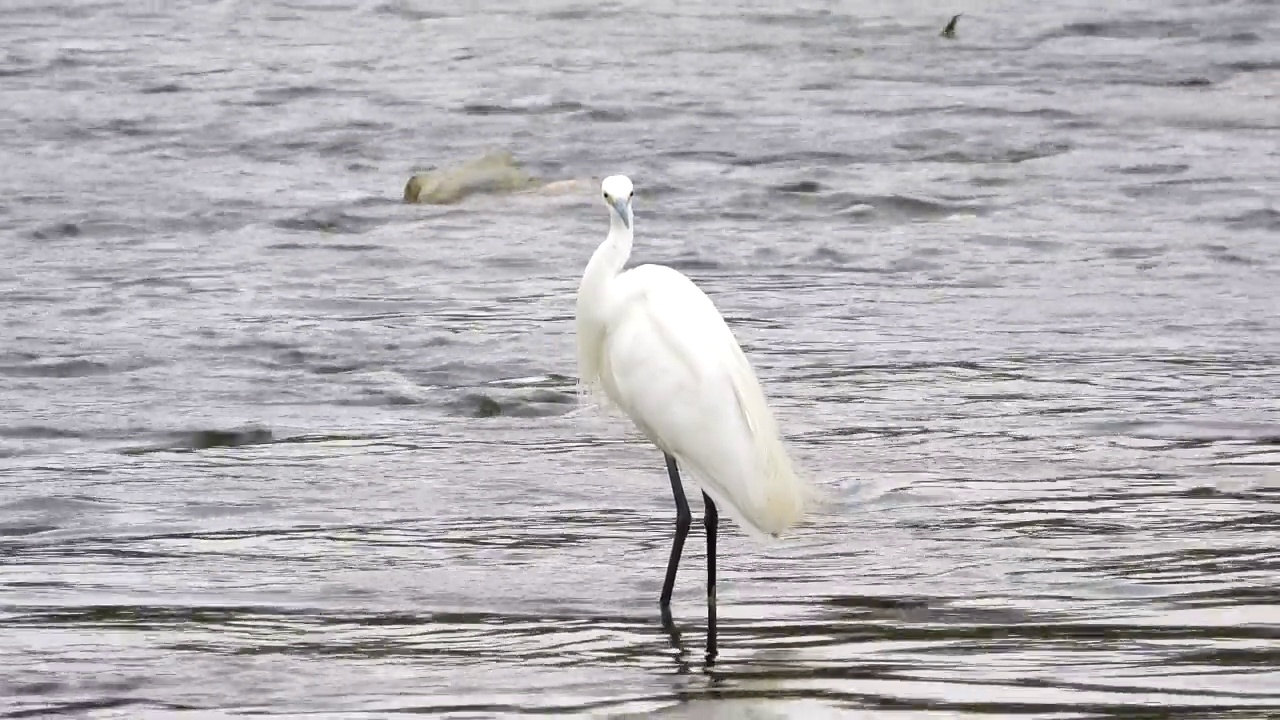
<point x="673" y="366"/>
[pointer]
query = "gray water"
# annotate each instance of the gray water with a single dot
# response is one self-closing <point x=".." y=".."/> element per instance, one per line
<point x="273" y="442"/>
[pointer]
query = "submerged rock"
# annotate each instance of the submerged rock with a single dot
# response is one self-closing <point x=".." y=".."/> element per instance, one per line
<point x="491" y="174"/>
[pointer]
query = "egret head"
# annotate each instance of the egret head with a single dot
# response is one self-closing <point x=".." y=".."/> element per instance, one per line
<point x="617" y="195"/>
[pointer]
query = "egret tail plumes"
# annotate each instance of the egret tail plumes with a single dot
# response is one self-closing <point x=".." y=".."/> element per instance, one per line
<point x="781" y="495"/>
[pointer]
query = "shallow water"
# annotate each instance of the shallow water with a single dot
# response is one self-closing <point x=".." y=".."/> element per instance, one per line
<point x="275" y="443"/>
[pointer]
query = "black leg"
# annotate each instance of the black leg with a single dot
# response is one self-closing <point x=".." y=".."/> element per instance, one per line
<point x="683" y="518"/>
<point x="673" y="636"/>
<point x="711" y="518"/>
<point x="711" y="635"/>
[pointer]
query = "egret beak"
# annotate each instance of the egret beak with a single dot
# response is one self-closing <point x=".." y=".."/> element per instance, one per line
<point x="622" y="206"/>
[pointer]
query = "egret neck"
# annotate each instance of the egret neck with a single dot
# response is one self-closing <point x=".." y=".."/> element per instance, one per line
<point x="593" y="294"/>
<point x="605" y="264"/>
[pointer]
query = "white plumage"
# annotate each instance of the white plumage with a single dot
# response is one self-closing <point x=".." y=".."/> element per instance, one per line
<point x="660" y="351"/>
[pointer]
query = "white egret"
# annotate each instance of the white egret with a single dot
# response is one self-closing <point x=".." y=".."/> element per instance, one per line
<point x="662" y="353"/>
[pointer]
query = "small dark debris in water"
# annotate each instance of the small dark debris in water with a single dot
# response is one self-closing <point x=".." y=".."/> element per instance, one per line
<point x="950" y="30"/>
<point x="488" y="407"/>
<point x="1203" y="491"/>
<point x="163" y="89"/>
<point x="1154" y="169"/>
<point x="803" y="186"/>
<point x="56" y="231"/>
<point x="206" y="439"/>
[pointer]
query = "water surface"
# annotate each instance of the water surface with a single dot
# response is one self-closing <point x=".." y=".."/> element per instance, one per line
<point x="273" y="442"/>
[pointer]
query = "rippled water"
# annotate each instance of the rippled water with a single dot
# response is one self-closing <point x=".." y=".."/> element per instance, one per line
<point x="274" y="442"/>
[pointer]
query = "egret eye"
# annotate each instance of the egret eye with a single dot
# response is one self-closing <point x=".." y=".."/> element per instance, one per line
<point x="633" y="192"/>
<point x="606" y="196"/>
